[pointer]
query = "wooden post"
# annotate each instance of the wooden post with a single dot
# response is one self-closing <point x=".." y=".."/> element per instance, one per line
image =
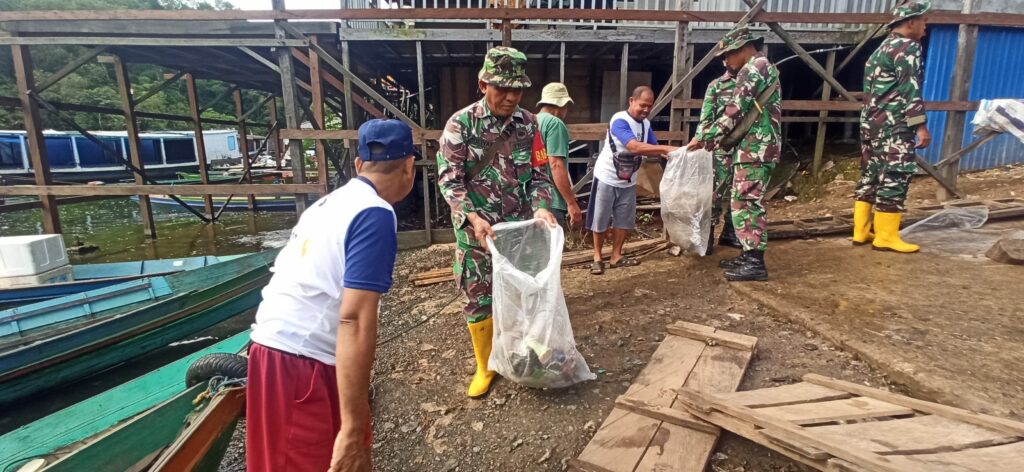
<point x="679" y="51"/>
<point x="350" y="117"/>
<point x="826" y="92"/>
<point x="197" y="125"/>
<point x="132" y="126"/>
<point x="291" y="106"/>
<point x="561" y="64"/>
<point x="959" y="86"/>
<point x="623" y="74"/>
<point x="506" y="33"/>
<point x="243" y="145"/>
<point x="424" y="170"/>
<point x="25" y="76"/>
<point x="275" y="135"/>
<point x="317" y="106"/>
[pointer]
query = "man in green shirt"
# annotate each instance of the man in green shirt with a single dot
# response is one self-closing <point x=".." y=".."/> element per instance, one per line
<point x="554" y="106"/>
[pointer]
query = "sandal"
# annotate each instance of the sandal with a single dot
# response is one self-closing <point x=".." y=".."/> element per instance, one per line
<point x="625" y="262"/>
<point x="597" y="268"/>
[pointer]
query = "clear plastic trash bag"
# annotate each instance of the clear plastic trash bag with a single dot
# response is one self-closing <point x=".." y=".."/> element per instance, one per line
<point x="686" y="193"/>
<point x="533" y="343"/>
<point x="954" y="231"/>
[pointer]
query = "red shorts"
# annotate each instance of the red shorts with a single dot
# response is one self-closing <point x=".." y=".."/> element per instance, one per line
<point x="292" y="413"/>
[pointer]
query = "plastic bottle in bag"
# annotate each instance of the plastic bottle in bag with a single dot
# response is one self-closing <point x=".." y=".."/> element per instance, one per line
<point x="533" y="343"/>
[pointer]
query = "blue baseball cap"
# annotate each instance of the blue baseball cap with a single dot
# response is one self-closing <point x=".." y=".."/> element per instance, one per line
<point x="386" y="140"/>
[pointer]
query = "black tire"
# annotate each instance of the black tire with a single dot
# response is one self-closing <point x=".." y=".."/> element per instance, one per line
<point x="227" y="365"/>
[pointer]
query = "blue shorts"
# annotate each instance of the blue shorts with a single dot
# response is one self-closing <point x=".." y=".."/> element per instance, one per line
<point x="610" y="206"/>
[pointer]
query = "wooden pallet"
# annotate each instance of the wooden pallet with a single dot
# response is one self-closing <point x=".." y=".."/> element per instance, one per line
<point x="645" y="431"/>
<point x="1001" y="208"/>
<point x="839" y="426"/>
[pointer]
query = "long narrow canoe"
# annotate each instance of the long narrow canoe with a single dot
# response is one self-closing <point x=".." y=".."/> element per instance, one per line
<point x="238" y="203"/>
<point x="79" y="343"/>
<point x="117" y="428"/>
<point x="94" y="276"/>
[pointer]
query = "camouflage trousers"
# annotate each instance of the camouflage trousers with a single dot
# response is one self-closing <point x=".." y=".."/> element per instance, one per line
<point x="886" y="168"/>
<point x="749" y="216"/>
<point x="723" y="186"/>
<point x="473" y="277"/>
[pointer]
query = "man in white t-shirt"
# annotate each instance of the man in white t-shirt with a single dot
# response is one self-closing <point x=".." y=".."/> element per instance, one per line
<point x="313" y="342"/>
<point x="612" y="198"/>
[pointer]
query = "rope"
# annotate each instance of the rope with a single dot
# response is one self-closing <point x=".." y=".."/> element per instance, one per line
<point x="217" y="384"/>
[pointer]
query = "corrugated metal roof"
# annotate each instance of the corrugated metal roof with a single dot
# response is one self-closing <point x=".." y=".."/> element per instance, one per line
<point x="998" y="68"/>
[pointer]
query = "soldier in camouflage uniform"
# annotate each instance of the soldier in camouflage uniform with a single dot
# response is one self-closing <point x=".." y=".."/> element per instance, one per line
<point x="717" y="97"/>
<point x="757" y="152"/>
<point x="893" y="113"/>
<point x="513" y="186"/>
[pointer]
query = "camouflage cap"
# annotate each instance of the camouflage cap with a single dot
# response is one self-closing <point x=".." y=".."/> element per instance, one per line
<point x="909" y="10"/>
<point x="735" y="40"/>
<point x="505" y="67"/>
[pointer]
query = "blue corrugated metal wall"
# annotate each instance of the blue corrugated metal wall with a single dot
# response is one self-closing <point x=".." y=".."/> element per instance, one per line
<point x="998" y="73"/>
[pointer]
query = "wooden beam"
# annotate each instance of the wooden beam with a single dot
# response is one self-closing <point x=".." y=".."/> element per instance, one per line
<point x="840" y="105"/>
<point x="340" y="86"/>
<point x="561" y="63"/>
<point x="175" y="27"/>
<point x="69" y="68"/>
<point x="680" y="57"/>
<point x="176" y="42"/>
<point x="291" y="106"/>
<point x="159" y="88"/>
<point x="624" y="75"/>
<point x="13" y="102"/>
<point x="959" y="88"/>
<point x="954" y="158"/>
<point x="819" y="140"/>
<point x="159" y="189"/>
<point x="259" y="58"/>
<point x="495" y="14"/>
<point x="422" y="102"/>
<point x="331" y="61"/>
<point x="506" y="33"/>
<point x="36" y="145"/>
<point x="577" y="131"/>
<point x="317" y="107"/>
<point x="806" y="57"/>
<point x="243" y="146"/>
<point x="197" y="126"/>
<point x="124" y="88"/>
<point x="276" y="134"/>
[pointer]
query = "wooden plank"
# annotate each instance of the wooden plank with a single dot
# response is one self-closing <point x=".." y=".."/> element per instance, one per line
<point x="434" y="280"/>
<point x="162" y="27"/>
<point x="340" y="86"/>
<point x="719" y="369"/>
<point x="788" y="442"/>
<point x="14" y="103"/>
<point x="1002" y="425"/>
<point x="623" y="74"/>
<point x="1005" y="458"/>
<point x="802" y="392"/>
<point x="857" y="408"/>
<point x="925" y="434"/>
<point x="713" y="336"/>
<point x="666" y="414"/>
<point x="124" y="88"/>
<point x="670" y="366"/>
<point x="35" y="143"/>
<point x="135" y="189"/>
<point x="193" y="444"/>
<point x="145" y="41"/>
<point x="200" y="141"/>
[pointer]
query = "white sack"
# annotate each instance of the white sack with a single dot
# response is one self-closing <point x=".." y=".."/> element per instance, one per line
<point x="686" y="199"/>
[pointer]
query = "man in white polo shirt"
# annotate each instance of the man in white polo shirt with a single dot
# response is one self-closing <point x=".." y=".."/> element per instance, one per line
<point x="612" y="197"/>
<point x="313" y="342"/>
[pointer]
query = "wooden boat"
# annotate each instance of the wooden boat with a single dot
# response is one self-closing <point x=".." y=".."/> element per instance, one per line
<point x="94" y="276"/>
<point x="57" y="341"/>
<point x="144" y="424"/>
<point x="237" y="203"/>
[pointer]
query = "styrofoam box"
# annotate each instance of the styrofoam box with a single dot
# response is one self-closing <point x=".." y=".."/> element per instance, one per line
<point x="52" y="276"/>
<point x="31" y="255"/>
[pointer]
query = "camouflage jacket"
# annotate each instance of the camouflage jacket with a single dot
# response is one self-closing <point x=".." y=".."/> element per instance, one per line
<point x="761" y="143"/>
<point x="892" y="89"/>
<point x="511" y="188"/>
<point x="718" y="95"/>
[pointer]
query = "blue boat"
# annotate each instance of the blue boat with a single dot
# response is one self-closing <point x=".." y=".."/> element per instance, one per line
<point x="95" y="276"/>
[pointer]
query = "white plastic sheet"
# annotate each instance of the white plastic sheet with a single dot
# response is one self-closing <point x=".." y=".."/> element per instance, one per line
<point x="953" y="231"/>
<point x="533" y="343"/>
<point x="686" y="194"/>
<point x="1003" y="115"/>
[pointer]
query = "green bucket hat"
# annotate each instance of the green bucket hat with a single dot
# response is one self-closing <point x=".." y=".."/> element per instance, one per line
<point x="909" y="10"/>
<point x="505" y="67"/>
<point x="736" y="39"/>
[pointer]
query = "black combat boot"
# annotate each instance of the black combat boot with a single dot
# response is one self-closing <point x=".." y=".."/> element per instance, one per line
<point x="711" y="242"/>
<point x="734" y="262"/>
<point x="751" y="269"/>
<point x="728" y="237"/>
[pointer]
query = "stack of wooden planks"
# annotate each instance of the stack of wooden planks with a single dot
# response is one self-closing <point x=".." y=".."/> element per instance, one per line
<point x="833" y="425"/>
<point x="436" y="276"/>
<point x="646" y="431"/>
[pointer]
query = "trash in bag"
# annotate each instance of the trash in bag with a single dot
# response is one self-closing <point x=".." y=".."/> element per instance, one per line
<point x="533" y="343"/>
<point x="686" y="194"/>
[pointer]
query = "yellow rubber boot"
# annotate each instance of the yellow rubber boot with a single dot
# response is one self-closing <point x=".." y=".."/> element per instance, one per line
<point x="480" y="333"/>
<point x="887" y="234"/>
<point x="862" y="223"/>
